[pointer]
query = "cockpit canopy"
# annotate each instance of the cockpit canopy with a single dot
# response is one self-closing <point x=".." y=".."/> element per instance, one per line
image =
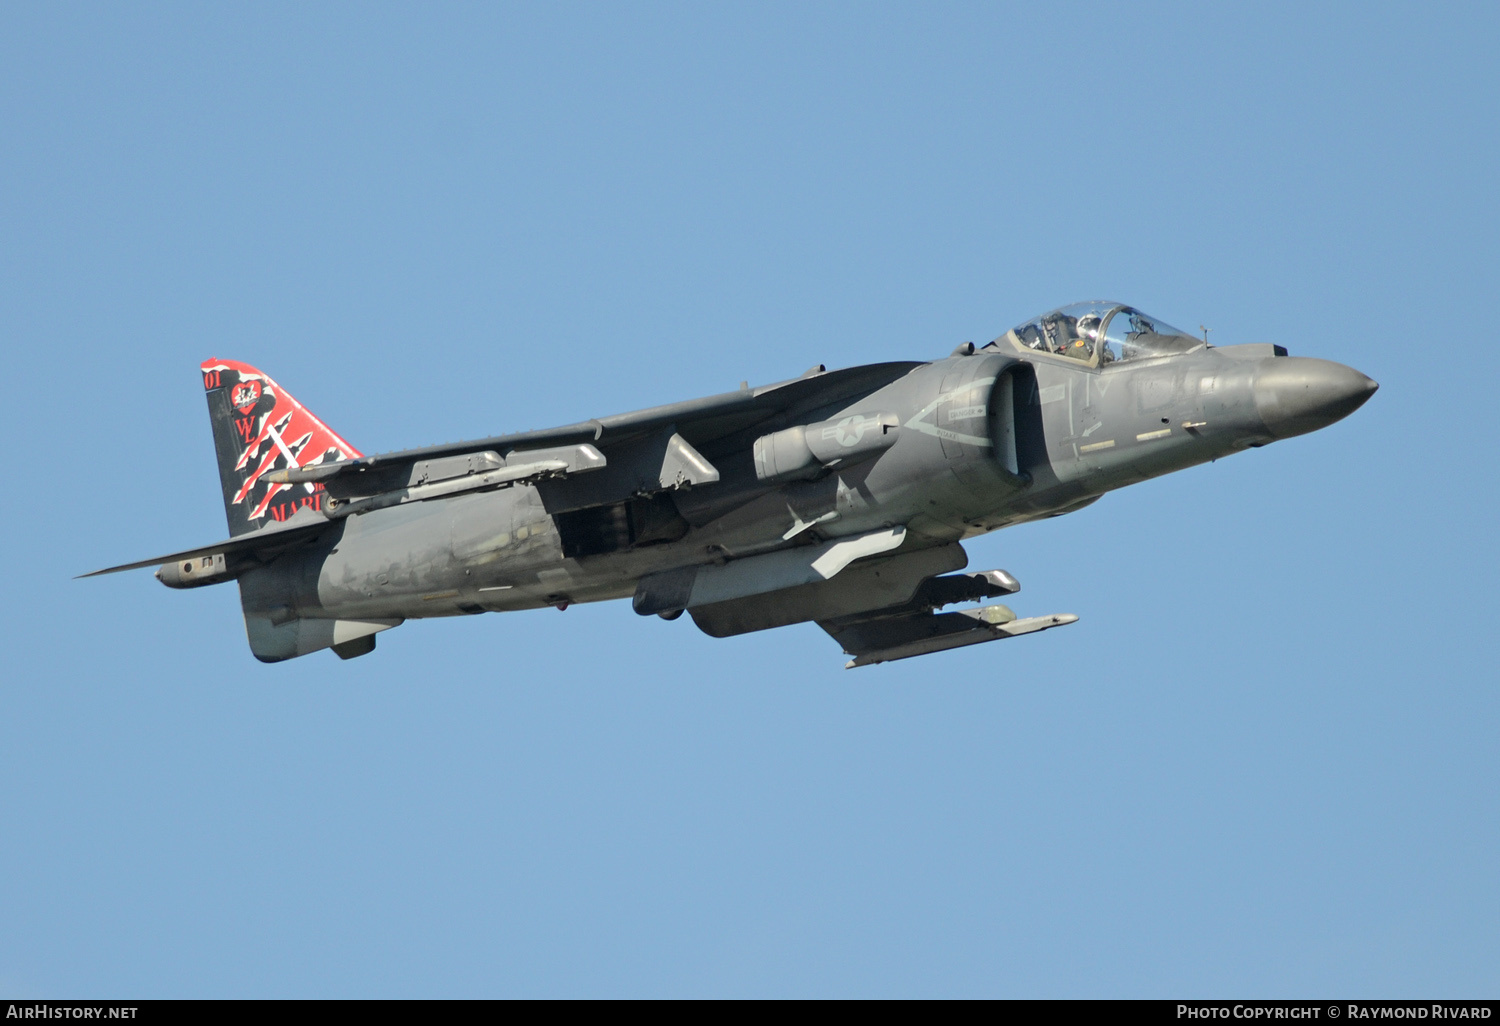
<point x="1099" y="333"/>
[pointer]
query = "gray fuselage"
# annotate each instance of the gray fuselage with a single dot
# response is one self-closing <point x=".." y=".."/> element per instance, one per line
<point x="987" y="439"/>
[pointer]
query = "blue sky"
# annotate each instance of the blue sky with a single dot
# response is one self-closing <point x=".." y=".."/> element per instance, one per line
<point x="1263" y="763"/>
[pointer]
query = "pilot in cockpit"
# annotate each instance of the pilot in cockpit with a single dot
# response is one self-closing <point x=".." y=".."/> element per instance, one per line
<point x="1087" y="329"/>
<point x="1061" y="334"/>
<point x="1100" y="333"/>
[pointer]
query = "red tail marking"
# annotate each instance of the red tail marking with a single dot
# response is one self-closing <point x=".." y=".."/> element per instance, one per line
<point x="307" y="438"/>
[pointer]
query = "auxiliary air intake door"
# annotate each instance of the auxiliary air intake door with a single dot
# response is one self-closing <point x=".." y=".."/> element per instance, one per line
<point x="976" y="423"/>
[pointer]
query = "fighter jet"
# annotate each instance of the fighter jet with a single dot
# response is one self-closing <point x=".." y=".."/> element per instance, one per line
<point x="841" y="497"/>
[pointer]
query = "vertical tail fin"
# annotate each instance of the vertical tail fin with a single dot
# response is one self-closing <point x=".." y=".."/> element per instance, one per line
<point x="258" y="427"/>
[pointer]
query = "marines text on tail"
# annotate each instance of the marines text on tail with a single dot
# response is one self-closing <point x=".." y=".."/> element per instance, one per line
<point x="840" y="497"/>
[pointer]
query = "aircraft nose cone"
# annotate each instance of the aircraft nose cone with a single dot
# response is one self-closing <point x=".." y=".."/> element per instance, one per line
<point x="1296" y="394"/>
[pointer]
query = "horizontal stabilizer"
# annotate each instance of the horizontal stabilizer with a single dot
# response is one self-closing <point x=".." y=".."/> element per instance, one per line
<point x="302" y="527"/>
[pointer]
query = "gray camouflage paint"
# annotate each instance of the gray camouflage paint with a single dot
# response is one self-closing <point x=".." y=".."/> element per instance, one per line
<point x="988" y="438"/>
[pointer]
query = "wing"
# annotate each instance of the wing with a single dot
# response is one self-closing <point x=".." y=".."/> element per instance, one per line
<point x="603" y="460"/>
<point x="916" y="627"/>
<point x="881" y="639"/>
<point x="702" y="423"/>
<point x="877" y="595"/>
